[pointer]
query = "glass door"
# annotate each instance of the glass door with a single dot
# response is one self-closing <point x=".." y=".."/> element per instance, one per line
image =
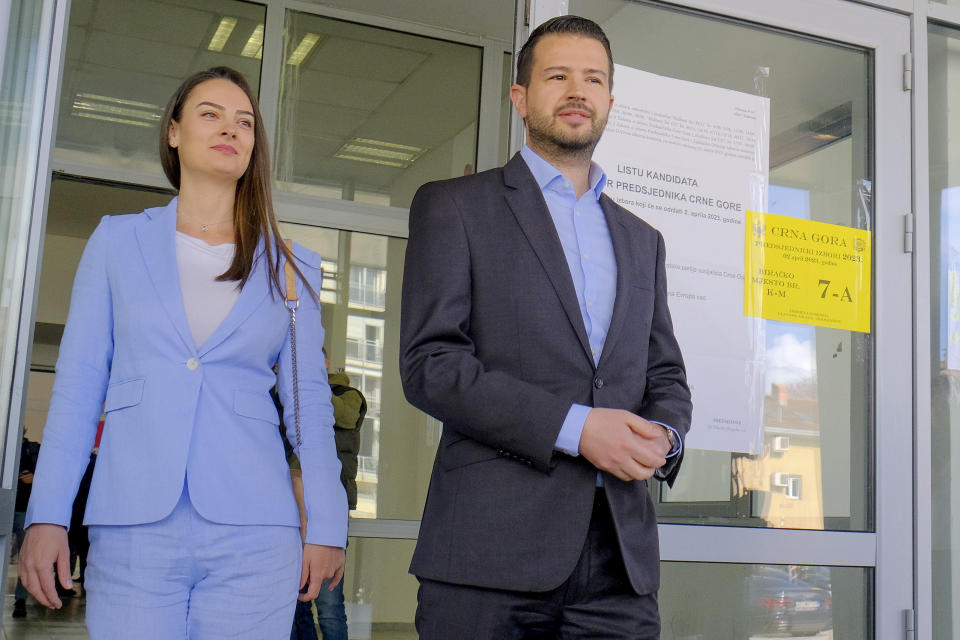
<point x="807" y="533"/>
<point x="30" y="60"/>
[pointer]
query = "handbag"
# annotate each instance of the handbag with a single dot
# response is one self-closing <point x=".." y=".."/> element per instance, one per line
<point x="292" y="303"/>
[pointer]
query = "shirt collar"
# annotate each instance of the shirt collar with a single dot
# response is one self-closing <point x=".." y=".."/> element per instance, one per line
<point x="545" y="173"/>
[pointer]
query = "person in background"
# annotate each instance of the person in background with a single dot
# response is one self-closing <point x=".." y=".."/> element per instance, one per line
<point x="29" y="451"/>
<point x="78" y="534"/>
<point x="177" y="319"/>
<point x="349" y="409"/>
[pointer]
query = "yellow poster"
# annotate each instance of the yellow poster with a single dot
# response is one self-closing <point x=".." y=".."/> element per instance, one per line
<point x="808" y="272"/>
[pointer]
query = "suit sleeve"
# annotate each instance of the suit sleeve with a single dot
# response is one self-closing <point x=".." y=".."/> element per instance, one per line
<point x="439" y="367"/>
<point x="324" y="496"/>
<point x="83" y="371"/>
<point x="667" y="396"/>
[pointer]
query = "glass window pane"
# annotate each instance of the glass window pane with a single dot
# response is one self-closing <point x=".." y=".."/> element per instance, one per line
<point x="814" y="471"/>
<point x="756" y="602"/>
<point x="697" y="600"/>
<point x="380" y="596"/>
<point x="493" y="18"/>
<point x="23" y="75"/>
<point x="944" y="119"/>
<point x="125" y="58"/>
<point x="370" y="114"/>
<point x="361" y="314"/>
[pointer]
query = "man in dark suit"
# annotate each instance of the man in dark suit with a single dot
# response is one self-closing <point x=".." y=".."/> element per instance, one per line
<point x="535" y="326"/>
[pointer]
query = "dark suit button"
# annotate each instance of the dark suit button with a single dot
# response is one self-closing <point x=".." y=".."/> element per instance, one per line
<point x="598" y="382"/>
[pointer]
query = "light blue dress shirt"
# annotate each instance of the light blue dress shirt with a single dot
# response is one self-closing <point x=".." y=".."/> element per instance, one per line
<point x="585" y="237"/>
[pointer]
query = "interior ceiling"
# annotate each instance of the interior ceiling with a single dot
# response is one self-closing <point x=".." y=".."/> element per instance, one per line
<point x="493" y="19"/>
<point x="358" y="81"/>
<point x="362" y="81"/>
<point x="806" y="77"/>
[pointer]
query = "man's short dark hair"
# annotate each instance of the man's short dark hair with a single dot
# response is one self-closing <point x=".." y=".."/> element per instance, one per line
<point x="561" y="25"/>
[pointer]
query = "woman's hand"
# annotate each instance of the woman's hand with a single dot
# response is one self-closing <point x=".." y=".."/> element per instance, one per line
<point x="43" y="546"/>
<point x="320" y="563"/>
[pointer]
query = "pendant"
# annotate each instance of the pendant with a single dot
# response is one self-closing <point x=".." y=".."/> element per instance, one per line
<point x="203" y="228"/>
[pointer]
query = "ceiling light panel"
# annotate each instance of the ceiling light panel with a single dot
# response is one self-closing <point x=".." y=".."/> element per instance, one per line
<point x="222" y="34"/>
<point x="388" y="154"/>
<point x="254" y="46"/>
<point x="119" y="110"/>
<point x="303" y="49"/>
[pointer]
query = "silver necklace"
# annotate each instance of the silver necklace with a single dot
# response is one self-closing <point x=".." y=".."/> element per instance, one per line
<point x="206" y="227"/>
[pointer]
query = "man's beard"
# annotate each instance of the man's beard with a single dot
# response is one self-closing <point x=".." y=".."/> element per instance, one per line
<point x="550" y="137"/>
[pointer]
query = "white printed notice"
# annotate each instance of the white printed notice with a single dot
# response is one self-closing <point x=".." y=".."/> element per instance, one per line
<point x="691" y="159"/>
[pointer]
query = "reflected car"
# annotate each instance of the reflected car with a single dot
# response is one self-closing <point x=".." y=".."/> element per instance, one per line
<point x="787" y="600"/>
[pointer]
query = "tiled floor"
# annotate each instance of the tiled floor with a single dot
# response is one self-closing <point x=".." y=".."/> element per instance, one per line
<point x="42" y="623"/>
<point x="67" y="623"/>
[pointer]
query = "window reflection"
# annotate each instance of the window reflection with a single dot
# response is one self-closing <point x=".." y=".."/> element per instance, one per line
<point x="759" y="602"/>
<point x="944" y="61"/>
<point x="814" y="467"/>
<point x="124" y="59"/>
<point x="698" y="600"/>
<point x="361" y="313"/>
<point x="369" y="114"/>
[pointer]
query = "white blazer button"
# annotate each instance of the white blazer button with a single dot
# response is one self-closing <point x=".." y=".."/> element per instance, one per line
<point x="193" y="364"/>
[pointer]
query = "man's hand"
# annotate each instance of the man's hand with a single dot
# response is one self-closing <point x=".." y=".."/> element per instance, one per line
<point x="43" y="546"/>
<point x="623" y="444"/>
<point x="320" y="563"/>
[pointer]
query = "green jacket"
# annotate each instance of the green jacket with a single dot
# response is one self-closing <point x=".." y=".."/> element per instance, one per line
<point x="349" y="408"/>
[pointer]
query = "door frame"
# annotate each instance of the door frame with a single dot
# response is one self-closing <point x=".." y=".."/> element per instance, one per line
<point x="887" y="36"/>
<point x="50" y="50"/>
<point x="899" y="381"/>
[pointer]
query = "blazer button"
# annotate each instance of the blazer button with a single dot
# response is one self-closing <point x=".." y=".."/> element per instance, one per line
<point x="193" y="364"/>
<point x="598" y="382"/>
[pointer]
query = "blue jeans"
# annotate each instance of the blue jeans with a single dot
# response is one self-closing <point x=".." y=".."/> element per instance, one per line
<point x="19" y="518"/>
<point x="303" y="628"/>
<point x="331" y="616"/>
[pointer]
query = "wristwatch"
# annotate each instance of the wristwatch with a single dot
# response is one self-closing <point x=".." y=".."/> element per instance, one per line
<point x="672" y="438"/>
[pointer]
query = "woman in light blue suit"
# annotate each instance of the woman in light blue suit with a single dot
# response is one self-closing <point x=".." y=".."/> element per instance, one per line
<point x="176" y="324"/>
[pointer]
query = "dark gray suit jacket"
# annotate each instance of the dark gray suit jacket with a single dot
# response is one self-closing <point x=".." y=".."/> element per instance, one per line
<point x="493" y="344"/>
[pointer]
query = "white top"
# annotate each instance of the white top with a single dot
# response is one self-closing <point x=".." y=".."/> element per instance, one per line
<point x="206" y="300"/>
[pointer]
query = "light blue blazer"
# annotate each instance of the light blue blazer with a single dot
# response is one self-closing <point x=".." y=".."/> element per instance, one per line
<point x="175" y="412"/>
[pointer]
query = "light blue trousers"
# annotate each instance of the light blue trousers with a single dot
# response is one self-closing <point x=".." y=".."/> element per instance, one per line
<point x="185" y="577"/>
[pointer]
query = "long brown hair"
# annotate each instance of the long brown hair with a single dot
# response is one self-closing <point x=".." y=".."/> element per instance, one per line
<point x="253" y="215"/>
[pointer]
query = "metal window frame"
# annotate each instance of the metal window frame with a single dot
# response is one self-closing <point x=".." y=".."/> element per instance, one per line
<point x="341" y="214"/>
<point x="329" y="212"/>
<point x="684" y="541"/>
<point x="50" y="52"/>
<point x="893" y="568"/>
<point x="51" y="49"/>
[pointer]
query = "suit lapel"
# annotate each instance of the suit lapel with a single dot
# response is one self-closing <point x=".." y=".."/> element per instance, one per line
<point x="623" y="254"/>
<point x="528" y="206"/>
<point x="251" y="297"/>
<point x="157" y="239"/>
